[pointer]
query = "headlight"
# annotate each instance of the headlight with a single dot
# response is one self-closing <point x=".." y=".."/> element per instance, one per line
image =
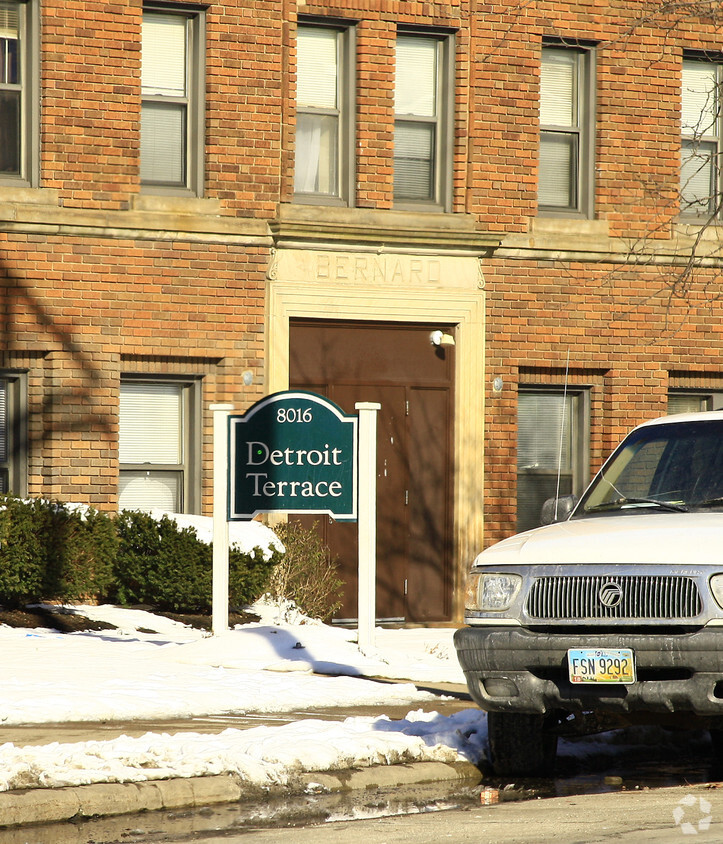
<point x="716" y="587"/>
<point x="492" y="592"/>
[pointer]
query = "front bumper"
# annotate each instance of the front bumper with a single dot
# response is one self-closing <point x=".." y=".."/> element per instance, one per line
<point x="519" y="670"/>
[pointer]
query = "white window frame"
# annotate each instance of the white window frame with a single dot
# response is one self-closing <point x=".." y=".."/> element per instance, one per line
<point x="577" y="130"/>
<point x="189" y="100"/>
<point x="433" y="111"/>
<point x="701" y="135"/>
<point x="332" y="102"/>
<point x="571" y="441"/>
<point x="24" y="83"/>
<point x="154" y="457"/>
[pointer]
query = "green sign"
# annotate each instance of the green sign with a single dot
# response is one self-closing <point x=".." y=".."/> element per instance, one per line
<point x="293" y="452"/>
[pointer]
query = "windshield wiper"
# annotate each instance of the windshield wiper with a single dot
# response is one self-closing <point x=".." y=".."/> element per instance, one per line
<point x="619" y="503"/>
<point x="711" y="502"/>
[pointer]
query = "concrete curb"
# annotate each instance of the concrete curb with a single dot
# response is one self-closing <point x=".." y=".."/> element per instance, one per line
<point x="51" y="805"/>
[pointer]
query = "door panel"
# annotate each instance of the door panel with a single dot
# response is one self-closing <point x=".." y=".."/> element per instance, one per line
<point x="430" y="499"/>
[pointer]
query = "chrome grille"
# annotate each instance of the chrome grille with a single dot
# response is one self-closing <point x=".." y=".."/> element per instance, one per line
<point x="603" y="596"/>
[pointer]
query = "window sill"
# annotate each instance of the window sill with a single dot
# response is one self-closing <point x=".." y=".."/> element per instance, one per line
<point x="175" y="204"/>
<point x="20" y="194"/>
<point x="313" y="199"/>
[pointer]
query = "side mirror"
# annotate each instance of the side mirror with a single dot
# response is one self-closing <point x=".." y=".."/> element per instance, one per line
<point x="557" y="509"/>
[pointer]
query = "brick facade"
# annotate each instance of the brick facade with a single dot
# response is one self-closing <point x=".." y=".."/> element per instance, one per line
<point x="103" y="278"/>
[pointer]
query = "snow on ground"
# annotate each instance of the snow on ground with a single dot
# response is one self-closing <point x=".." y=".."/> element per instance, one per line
<point x="151" y="668"/>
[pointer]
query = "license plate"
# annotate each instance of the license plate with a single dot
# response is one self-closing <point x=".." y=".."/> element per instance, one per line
<point x="601" y="665"/>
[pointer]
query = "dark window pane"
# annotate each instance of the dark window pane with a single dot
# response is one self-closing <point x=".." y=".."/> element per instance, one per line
<point x="10" y="132"/>
<point x="9" y="50"/>
<point x="533" y="489"/>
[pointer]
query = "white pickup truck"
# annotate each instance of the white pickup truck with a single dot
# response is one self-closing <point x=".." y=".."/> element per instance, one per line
<point x="612" y="614"/>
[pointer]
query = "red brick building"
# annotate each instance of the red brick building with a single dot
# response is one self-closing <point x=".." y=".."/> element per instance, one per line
<point x="206" y="203"/>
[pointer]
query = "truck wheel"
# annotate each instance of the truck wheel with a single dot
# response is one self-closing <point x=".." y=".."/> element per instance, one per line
<point x="519" y="744"/>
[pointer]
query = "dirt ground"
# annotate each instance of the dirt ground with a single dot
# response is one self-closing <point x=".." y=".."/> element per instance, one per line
<point x="67" y="620"/>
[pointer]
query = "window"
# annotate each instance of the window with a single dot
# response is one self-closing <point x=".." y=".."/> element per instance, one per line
<point x="423" y="105"/>
<point x="18" y="93"/>
<point x="694" y="402"/>
<point x="172" y="113"/>
<point x="158" y="446"/>
<point x="701" y="132"/>
<point x="551" y="450"/>
<point x="323" y="169"/>
<point x="13" y="442"/>
<point x="566" y="97"/>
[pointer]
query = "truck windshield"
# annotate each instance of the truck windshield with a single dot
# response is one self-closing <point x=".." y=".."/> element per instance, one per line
<point x="675" y="466"/>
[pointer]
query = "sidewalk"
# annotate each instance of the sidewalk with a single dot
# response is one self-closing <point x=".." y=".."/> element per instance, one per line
<point x="49" y="805"/>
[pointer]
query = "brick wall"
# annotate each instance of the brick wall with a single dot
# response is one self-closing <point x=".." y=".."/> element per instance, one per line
<point x="89" y="298"/>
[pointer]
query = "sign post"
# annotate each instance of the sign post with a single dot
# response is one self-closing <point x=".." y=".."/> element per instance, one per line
<point x="367" y="539"/>
<point x="219" y="597"/>
<point x="296" y="452"/>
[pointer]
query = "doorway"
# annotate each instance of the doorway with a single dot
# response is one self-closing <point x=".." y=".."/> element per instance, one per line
<point x="397" y="365"/>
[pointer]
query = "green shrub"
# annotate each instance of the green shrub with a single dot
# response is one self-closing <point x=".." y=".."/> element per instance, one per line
<point x="307" y="574"/>
<point x="82" y="545"/>
<point x="23" y="550"/>
<point x="169" y="567"/>
<point x="249" y="574"/>
<point x="50" y="551"/>
<point x="160" y="564"/>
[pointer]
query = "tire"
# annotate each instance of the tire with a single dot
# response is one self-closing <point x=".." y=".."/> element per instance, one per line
<point x="716" y="740"/>
<point x="519" y="744"/>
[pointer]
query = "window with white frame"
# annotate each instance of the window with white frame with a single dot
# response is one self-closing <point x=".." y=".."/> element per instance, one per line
<point x="423" y="121"/>
<point x="701" y="137"/>
<point x="157" y="446"/>
<point x="552" y="444"/>
<point x="18" y="92"/>
<point x="172" y="119"/>
<point x="565" y="182"/>
<point x="323" y="165"/>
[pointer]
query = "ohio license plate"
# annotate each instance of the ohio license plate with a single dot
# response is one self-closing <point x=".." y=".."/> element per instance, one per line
<point x="601" y="665"/>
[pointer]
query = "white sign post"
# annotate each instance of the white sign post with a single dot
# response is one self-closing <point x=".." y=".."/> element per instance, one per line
<point x="219" y="598"/>
<point x="364" y="460"/>
<point x="367" y="523"/>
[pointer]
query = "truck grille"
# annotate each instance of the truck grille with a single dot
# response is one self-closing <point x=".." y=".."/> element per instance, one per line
<point x="602" y="596"/>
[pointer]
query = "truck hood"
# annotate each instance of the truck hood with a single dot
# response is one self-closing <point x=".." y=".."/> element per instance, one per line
<point x="684" y="538"/>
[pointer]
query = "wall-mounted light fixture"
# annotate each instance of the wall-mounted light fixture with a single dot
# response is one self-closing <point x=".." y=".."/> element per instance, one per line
<point x="439" y="338"/>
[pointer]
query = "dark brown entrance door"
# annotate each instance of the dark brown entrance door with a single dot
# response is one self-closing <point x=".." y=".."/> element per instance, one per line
<point x="397" y="366"/>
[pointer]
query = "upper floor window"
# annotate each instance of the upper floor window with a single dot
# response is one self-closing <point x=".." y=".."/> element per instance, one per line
<point x="323" y="167"/>
<point x="566" y="134"/>
<point x="423" y="121"/>
<point x="172" y="119"/>
<point x="701" y="138"/>
<point x="18" y="93"/>
<point x="159" y="434"/>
